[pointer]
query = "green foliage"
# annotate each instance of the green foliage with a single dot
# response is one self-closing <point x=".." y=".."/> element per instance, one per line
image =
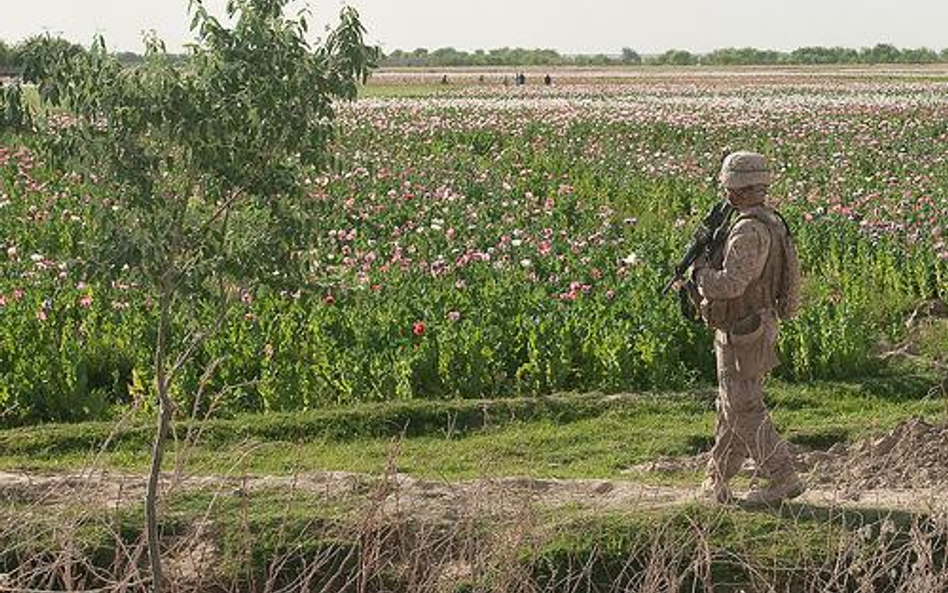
<point x="202" y="163"/>
<point x="506" y="238"/>
<point x="674" y="57"/>
<point x="823" y="55"/>
<point x="15" y="115"/>
<point x="881" y="53"/>
<point x="448" y="56"/>
<point x="563" y="436"/>
<point x="729" y="56"/>
<point x="8" y="58"/>
<point x="283" y="350"/>
<point x="198" y="168"/>
<point x="630" y="56"/>
<point x="42" y="52"/>
<point x="732" y="56"/>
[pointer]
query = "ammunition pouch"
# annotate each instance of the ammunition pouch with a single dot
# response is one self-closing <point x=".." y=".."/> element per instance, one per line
<point x="715" y="313"/>
<point x="751" y="344"/>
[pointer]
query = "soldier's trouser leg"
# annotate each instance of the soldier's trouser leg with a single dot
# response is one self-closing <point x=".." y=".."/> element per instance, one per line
<point x="745" y="429"/>
<point x="729" y="451"/>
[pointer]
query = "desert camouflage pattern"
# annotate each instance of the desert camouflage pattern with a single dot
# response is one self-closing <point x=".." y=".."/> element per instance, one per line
<point x="738" y="296"/>
<point x="744" y="168"/>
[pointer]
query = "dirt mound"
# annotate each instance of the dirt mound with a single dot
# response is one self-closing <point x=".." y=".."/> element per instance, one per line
<point x="914" y="454"/>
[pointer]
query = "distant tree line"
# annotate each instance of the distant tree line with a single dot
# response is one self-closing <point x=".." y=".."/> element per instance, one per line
<point x="504" y="56"/>
<point x="731" y="56"/>
<point x="448" y="56"/>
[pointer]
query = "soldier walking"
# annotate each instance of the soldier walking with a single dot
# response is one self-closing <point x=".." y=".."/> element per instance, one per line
<point x="743" y="290"/>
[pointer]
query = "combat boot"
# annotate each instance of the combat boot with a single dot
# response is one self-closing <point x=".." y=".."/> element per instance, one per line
<point x="714" y="490"/>
<point x="777" y="491"/>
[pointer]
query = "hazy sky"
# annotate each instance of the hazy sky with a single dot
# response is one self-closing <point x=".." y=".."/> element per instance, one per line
<point x="570" y="26"/>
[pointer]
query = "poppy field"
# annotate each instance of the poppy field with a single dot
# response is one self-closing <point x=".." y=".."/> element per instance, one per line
<point x="482" y="241"/>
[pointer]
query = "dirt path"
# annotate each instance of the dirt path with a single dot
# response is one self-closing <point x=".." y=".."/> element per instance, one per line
<point x="405" y="495"/>
<point x="903" y="470"/>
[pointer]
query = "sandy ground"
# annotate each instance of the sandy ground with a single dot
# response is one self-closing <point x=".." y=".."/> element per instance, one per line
<point x="904" y="470"/>
<point x="405" y="495"/>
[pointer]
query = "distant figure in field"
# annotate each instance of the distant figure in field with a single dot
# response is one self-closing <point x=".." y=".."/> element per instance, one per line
<point x="444" y="79"/>
<point x="547" y="80"/>
<point x="480" y="79"/>
<point x="521" y="79"/>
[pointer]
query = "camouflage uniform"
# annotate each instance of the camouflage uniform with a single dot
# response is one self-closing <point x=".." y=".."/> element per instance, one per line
<point x="744" y="427"/>
<point x="737" y="288"/>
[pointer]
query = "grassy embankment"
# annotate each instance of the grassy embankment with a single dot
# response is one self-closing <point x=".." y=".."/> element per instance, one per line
<point x="242" y="540"/>
<point x="566" y="436"/>
<point x="274" y="535"/>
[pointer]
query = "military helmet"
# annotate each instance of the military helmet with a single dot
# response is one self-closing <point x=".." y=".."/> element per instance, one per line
<point x="743" y="168"/>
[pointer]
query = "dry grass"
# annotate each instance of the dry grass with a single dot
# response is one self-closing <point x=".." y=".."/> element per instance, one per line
<point x="236" y="534"/>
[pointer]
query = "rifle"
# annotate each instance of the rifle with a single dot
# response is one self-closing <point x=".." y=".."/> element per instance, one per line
<point x="707" y="238"/>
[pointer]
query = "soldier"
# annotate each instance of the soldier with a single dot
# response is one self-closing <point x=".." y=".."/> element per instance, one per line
<point x="741" y="290"/>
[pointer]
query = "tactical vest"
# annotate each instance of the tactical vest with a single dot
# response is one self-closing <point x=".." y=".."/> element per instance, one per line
<point x="776" y="288"/>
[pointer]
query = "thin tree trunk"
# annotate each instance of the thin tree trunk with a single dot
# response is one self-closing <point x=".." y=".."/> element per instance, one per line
<point x="158" y="451"/>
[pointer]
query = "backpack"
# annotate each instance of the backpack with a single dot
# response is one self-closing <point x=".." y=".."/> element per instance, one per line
<point x="789" y="280"/>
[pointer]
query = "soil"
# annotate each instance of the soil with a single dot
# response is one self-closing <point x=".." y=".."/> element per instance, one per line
<point x="910" y="462"/>
<point x="904" y="469"/>
<point x="913" y="455"/>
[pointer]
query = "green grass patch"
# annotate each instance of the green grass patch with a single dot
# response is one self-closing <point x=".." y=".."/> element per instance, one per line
<point x="932" y="340"/>
<point x="569" y="436"/>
